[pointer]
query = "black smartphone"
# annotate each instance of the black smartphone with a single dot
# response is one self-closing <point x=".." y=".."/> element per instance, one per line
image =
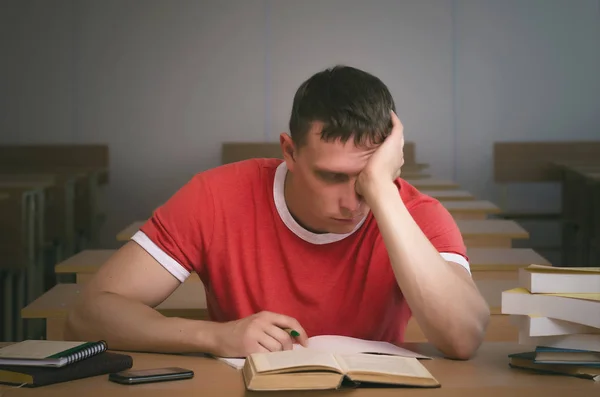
<point x="134" y="377"/>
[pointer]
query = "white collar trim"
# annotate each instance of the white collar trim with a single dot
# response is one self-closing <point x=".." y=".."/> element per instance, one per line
<point x="290" y="222"/>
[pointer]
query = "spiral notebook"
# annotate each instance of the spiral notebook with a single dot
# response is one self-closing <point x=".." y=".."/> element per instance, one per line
<point x="47" y="353"/>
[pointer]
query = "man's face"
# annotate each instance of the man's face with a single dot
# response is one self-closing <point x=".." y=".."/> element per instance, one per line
<point x="324" y="177"/>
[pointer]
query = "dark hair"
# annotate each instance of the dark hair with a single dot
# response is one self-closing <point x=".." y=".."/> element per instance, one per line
<point x="348" y="101"/>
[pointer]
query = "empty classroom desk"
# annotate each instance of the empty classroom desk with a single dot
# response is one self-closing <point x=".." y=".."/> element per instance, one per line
<point x="188" y="301"/>
<point x="129" y="231"/>
<point x="475" y="209"/>
<point x="87" y="262"/>
<point x="490" y="232"/>
<point x="432" y="184"/>
<point x="449" y="195"/>
<point x="497" y="269"/>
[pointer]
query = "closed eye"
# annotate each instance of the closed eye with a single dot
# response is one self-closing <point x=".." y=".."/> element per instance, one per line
<point x="332" y="177"/>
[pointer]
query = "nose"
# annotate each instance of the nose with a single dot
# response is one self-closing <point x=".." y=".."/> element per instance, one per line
<point x="350" y="202"/>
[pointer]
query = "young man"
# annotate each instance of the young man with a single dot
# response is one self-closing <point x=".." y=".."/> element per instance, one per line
<point x="328" y="241"/>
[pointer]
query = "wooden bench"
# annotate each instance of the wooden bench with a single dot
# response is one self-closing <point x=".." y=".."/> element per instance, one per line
<point x="87" y="262"/>
<point x="433" y="184"/>
<point x="498" y="233"/>
<point x="475" y="209"/>
<point x="497" y="269"/>
<point x="449" y="195"/>
<point x="188" y="301"/>
<point x="128" y="232"/>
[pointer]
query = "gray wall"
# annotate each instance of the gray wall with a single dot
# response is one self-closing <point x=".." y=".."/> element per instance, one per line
<point x="165" y="82"/>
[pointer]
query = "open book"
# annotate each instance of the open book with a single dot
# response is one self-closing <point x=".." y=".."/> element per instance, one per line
<point x="341" y="345"/>
<point x="317" y="370"/>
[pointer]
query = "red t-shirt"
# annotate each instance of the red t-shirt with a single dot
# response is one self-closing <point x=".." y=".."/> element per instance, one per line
<point x="231" y="226"/>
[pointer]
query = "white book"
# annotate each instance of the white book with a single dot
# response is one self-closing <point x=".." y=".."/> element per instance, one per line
<point x="577" y="308"/>
<point x="546" y="326"/>
<point x="341" y="345"/>
<point x="555" y="280"/>
<point x="589" y="342"/>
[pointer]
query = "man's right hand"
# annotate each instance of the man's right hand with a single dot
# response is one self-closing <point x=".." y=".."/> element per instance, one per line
<point x="260" y="332"/>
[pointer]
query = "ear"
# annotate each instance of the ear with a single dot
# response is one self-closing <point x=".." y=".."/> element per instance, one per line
<point x="288" y="149"/>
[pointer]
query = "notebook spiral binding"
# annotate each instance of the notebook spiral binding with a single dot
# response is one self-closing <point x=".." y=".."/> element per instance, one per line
<point x="90" y="351"/>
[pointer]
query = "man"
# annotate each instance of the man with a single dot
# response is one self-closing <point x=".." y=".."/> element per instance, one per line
<point x="329" y="241"/>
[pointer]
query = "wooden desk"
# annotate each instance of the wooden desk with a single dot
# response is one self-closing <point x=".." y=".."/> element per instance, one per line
<point x="475" y="209"/>
<point x="449" y="195"/>
<point x="432" y="184"/>
<point x="497" y="269"/>
<point x="188" y="301"/>
<point x="486" y="374"/>
<point x="490" y="232"/>
<point x="415" y="175"/>
<point x="125" y="234"/>
<point x="85" y="263"/>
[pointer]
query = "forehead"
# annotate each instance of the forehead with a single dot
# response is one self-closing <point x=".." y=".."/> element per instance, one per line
<point x="336" y="155"/>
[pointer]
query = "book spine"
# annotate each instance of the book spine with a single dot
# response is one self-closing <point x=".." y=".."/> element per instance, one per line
<point x="90" y="351"/>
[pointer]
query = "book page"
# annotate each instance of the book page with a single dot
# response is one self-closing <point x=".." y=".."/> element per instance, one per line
<point x="36" y="349"/>
<point x="293" y="358"/>
<point x="392" y="365"/>
<point x="347" y="345"/>
<point x="585" y="296"/>
<point x="555" y="269"/>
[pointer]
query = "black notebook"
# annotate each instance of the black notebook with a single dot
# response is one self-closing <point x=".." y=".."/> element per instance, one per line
<point x="48" y="353"/>
<point x="100" y="364"/>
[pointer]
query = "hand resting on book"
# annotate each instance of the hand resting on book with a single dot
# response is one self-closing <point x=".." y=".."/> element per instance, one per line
<point x="259" y="333"/>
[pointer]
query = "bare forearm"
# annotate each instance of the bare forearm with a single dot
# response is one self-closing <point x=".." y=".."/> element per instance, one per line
<point x="448" y="308"/>
<point x="128" y="325"/>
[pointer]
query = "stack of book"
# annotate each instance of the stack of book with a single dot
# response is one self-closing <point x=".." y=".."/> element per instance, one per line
<point x="34" y="363"/>
<point x="557" y="311"/>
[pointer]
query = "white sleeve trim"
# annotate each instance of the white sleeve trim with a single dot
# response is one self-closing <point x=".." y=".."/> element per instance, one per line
<point x="461" y="260"/>
<point x="178" y="271"/>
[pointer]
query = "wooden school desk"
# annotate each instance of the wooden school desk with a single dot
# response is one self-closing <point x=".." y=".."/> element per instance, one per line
<point x="497" y="269"/>
<point x="475" y="209"/>
<point x="87" y="262"/>
<point x="432" y="184"/>
<point x="449" y="195"/>
<point x="486" y="374"/>
<point x="129" y="231"/>
<point x="490" y="232"/>
<point x="188" y="301"/>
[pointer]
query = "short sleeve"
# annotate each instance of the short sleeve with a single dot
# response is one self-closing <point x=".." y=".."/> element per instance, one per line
<point x="179" y="232"/>
<point x="441" y="229"/>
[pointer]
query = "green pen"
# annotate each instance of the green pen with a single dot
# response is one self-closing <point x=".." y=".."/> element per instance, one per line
<point x="292" y="332"/>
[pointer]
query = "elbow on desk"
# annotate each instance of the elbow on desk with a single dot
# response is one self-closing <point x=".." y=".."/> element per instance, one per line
<point x="464" y="344"/>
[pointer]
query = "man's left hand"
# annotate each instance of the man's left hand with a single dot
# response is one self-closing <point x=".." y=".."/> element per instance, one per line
<point x="385" y="163"/>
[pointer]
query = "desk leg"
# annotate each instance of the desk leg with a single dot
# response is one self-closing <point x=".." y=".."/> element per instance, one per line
<point x="20" y="303"/>
<point x="8" y="306"/>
